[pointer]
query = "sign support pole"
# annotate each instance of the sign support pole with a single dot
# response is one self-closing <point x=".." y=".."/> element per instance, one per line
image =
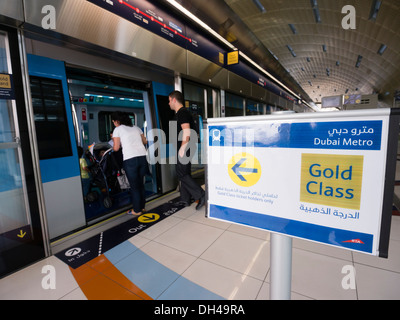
<point x="281" y="260"/>
<point x="281" y="267"/>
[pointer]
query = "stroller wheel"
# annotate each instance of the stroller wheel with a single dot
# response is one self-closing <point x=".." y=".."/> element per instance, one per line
<point x="107" y="202"/>
<point x="92" y="196"/>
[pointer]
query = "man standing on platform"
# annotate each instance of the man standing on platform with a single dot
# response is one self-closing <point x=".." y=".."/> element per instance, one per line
<point x="189" y="188"/>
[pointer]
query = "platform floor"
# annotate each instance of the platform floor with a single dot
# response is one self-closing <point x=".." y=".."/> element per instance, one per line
<point x="187" y="256"/>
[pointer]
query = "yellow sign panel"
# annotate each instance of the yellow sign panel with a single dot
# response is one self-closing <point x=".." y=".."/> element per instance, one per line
<point x="221" y="58"/>
<point x="332" y="180"/>
<point x="244" y="169"/>
<point x="5" y="81"/>
<point x="233" y="58"/>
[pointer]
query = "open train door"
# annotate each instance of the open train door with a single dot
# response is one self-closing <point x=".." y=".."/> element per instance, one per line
<point x="22" y="240"/>
<point x="59" y="164"/>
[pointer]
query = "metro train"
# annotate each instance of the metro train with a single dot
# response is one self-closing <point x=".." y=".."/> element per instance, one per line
<point x="72" y="107"/>
<point x="58" y="91"/>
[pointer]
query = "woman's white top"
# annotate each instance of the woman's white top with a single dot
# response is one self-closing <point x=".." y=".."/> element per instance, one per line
<point x="131" y="141"/>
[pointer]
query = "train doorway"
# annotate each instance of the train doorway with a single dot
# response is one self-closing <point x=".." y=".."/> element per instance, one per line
<point x="21" y="236"/>
<point x="95" y="97"/>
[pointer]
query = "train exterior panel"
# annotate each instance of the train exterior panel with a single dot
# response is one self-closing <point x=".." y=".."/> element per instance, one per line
<point x="59" y="165"/>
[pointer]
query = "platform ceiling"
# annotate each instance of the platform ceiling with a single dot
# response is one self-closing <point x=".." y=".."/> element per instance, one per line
<point x="324" y="58"/>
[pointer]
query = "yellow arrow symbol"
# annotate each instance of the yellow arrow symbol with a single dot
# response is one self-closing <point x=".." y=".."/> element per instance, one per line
<point x="21" y="234"/>
<point x="149" y="217"/>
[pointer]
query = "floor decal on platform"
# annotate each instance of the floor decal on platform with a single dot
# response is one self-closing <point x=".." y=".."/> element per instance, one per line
<point x="93" y="247"/>
<point x="107" y="284"/>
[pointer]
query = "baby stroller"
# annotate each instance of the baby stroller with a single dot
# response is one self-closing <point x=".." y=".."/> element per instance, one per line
<point x="103" y="171"/>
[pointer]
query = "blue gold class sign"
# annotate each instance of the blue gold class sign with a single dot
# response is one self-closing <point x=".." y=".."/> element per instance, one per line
<point x="326" y="177"/>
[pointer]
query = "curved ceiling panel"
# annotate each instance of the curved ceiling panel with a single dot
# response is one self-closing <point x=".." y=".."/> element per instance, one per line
<point x="316" y="58"/>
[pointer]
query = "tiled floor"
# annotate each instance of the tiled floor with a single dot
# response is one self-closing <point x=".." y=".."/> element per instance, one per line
<point x="187" y="256"/>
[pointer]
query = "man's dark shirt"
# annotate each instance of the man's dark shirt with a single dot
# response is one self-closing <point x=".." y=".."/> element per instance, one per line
<point x="183" y="116"/>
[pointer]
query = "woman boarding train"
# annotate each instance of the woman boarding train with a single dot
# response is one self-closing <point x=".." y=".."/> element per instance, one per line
<point x="132" y="141"/>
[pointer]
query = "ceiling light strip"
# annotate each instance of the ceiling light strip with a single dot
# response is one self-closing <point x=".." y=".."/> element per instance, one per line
<point x="259" y="6"/>
<point x="201" y="23"/>
<point x="293" y="28"/>
<point x="314" y="6"/>
<point x="268" y="74"/>
<point x="227" y="43"/>
<point x="382" y="49"/>
<point x="376" y="5"/>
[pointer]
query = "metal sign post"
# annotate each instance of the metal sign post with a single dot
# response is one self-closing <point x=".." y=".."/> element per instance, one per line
<point x="281" y="261"/>
<point x="281" y="267"/>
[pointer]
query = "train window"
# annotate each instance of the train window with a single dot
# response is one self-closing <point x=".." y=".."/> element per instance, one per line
<point x="252" y="108"/>
<point x="233" y="105"/>
<point x="50" y="118"/>
<point x="106" y="126"/>
<point x="210" y="105"/>
<point x="165" y="114"/>
<point x="194" y="98"/>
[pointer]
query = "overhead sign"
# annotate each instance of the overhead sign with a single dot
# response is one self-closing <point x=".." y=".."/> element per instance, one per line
<point x="325" y="177"/>
<point x="332" y="102"/>
<point x="156" y="19"/>
<point x="6" y="87"/>
<point x="232" y="58"/>
<point x="352" y="99"/>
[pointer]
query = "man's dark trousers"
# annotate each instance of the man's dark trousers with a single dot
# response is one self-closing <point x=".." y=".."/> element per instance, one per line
<point x="189" y="188"/>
